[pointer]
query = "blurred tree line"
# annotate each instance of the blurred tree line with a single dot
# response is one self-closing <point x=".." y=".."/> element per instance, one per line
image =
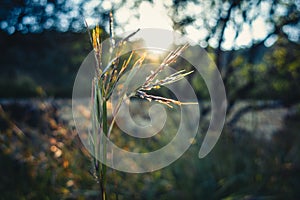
<point x="53" y="50"/>
<point x="43" y="43"/>
<point x="43" y="64"/>
<point x="257" y="70"/>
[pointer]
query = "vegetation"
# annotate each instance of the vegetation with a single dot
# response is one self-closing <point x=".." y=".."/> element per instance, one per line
<point x="41" y="156"/>
<point x="46" y="161"/>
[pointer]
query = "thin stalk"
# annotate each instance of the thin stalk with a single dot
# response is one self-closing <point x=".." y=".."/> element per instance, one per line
<point x="103" y="171"/>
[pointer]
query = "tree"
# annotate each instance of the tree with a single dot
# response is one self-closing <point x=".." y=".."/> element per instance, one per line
<point x="219" y="18"/>
<point x="35" y="16"/>
<point x="216" y="21"/>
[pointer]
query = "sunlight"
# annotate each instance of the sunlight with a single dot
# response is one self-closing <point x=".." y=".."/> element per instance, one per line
<point x="151" y="16"/>
<point x="155" y="15"/>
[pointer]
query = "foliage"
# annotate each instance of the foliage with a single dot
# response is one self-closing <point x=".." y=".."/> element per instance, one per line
<point x="39" y="153"/>
<point x="240" y="167"/>
<point x="40" y="157"/>
<point x="47" y="62"/>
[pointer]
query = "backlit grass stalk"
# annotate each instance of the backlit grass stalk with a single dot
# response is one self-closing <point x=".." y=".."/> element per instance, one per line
<point x="105" y="82"/>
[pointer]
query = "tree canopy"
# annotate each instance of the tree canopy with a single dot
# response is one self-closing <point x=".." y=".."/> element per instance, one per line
<point x="237" y="33"/>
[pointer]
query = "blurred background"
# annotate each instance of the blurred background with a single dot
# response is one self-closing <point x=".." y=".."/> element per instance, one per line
<point x="256" y="46"/>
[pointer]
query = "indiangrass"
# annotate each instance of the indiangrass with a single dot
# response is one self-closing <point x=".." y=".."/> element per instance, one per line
<point x="105" y="82"/>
